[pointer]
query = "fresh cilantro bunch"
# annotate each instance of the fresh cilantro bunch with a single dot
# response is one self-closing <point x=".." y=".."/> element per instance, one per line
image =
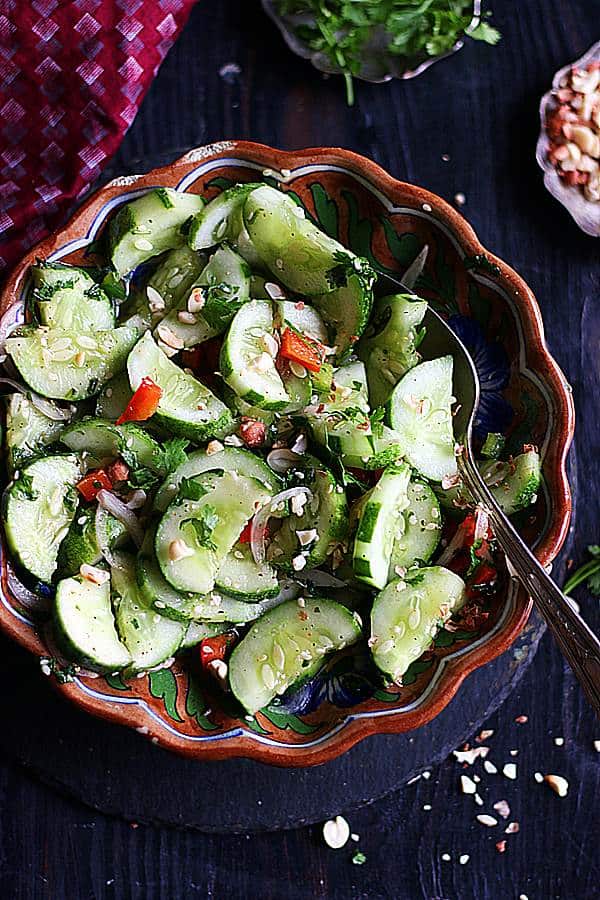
<point x="342" y="29"/>
<point x="589" y="572"/>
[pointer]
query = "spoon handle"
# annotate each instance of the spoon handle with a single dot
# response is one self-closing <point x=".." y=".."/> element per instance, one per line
<point x="577" y="642"/>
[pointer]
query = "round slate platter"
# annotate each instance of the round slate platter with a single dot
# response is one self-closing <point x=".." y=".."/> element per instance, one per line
<point x="118" y="772"/>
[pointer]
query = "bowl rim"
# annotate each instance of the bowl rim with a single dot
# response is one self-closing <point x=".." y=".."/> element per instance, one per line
<point x="351" y="730"/>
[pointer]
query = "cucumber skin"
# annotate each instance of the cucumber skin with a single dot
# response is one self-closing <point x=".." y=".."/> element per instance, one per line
<point x="229" y="200"/>
<point x="353" y="301"/>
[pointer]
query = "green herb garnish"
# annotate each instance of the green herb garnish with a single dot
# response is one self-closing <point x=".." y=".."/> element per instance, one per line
<point x="343" y="29"/>
<point x="588" y="573"/>
<point x="204" y="523"/>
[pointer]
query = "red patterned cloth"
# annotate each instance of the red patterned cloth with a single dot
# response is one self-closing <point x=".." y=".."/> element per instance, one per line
<point x="72" y="76"/>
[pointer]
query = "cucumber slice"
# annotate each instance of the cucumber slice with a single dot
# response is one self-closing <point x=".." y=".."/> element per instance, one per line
<point x="38" y="509"/>
<point x="240" y="576"/>
<point x="220" y="219"/>
<point x="301" y="317"/>
<point x="229" y="459"/>
<point x="389" y="345"/>
<point x="85" y="626"/>
<point x="239" y="407"/>
<point x="419" y="538"/>
<point x="114" y="397"/>
<point x="197" y="631"/>
<point x="258" y="290"/>
<point x="520" y="485"/>
<point x="150" y="638"/>
<point x="194" y="536"/>
<point x="149" y="226"/>
<point x="102" y="440"/>
<point x="298" y="253"/>
<point x="174" y="277"/>
<point x="246" y="365"/>
<point x="326" y="513"/>
<point x="187" y="407"/>
<point x="283" y="644"/>
<point x="68" y="365"/>
<point x="80" y="546"/>
<point x="406" y="616"/>
<point x="27" y="430"/>
<point x="226" y="284"/>
<point x="184" y="607"/>
<point x="347" y="308"/>
<point x="380" y="523"/>
<point x="420" y="412"/>
<point x="68" y="298"/>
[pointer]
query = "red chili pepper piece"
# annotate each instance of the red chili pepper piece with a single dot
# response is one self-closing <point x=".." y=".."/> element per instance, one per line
<point x="213" y="648"/>
<point x="244" y="537"/>
<point x="143" y="404"/>
<point x="94" y="481"/>
<point x="118" y="471"/>
<point x="304" y="350"/>
<point x="252" y="432"/>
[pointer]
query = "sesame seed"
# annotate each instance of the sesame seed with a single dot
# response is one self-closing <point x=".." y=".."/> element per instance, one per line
<point x="446" y="857"/>
<point x="488" y="821"/>
<point x="538" y="777"/>
<point x="510" y="771"/>
<point x="336" y="832"/>
<point x="559" y="741"/>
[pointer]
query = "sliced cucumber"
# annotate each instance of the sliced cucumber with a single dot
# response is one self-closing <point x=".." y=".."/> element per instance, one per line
<point x="325" y="513"/>
<point x="381" y="521"/>
<point x="67" y="365"/>
<point x="246" y="363"/>
<point x="258" y="290"/>
<point x="389" y="345"/>
<point x="298" y="253"/>
<point x="520" y="485"/>
<point x="80" y="545"/>
<point x="220" y="219"/>
<point x="102" y="440"/>
<point x="229" y="459"/>
<point x="114" y="397"/>
<point x="240" y="576"/>
<point x="194" y="536"/>
<point x="419" y="538"/>
<point x="225" y="283"/>
<point x="239" y="407"/>
<point x="27" y="430"/>
<point x="347" y="308"/>
<point x="150" y="638"/>
<point x="149" y="226"/>
<point x="301" y="317"/>
<point x="185" y="607"/>
<point x="173" y="279"/>
<point x="38" y="509"/>
<point x="283" y="644"/>
<point x="419" y="410"/>
<point x="85" y="626"/>
<point x="407" y="615"/>
<point x="68" y="298"/>
<point x="197" y="631"/>
<point x="187" y="407"/>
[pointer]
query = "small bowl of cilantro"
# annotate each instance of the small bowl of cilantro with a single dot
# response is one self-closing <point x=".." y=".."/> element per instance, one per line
<point x="377" y="40"/>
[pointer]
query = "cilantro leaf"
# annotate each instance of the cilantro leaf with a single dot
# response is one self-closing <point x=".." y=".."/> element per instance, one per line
<point x="190" y="489"/>
<point x="173" y="454"/>
<point x="24" y="488"/>
<point x="377" y="417"/>
<point x="204" y="523"/>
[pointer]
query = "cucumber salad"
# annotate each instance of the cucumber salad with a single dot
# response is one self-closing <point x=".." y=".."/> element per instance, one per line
<point x="220" y="439"/>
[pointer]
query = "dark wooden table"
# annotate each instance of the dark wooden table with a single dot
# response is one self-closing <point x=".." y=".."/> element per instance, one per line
<point x="480" y="108"/>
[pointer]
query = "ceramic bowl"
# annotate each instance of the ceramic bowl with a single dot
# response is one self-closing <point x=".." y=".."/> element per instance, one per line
<point x="377" y="63"/>
<point x="585" y="213"/>
<point x="524" y="394"/>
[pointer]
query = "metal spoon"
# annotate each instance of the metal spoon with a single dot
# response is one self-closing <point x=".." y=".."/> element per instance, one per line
<point x="576" y="640"/>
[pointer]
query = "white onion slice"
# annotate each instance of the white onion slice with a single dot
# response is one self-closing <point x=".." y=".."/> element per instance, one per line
<point x="282" y="460"/>
<point x="8" y="323"/>
<point x="481" y="524"/>
<point x="259" y="522"/>
<point x="112" y="504"/>
<point x="48" y="409"/>
<point x="29" y="600"/>
<point x="453" y="547"/>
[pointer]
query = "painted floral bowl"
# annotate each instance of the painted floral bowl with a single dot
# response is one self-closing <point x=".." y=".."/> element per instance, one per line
<point x="524" y="394"/>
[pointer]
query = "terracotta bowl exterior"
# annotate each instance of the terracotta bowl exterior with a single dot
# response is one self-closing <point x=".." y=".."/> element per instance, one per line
<point x="524" y="394"/>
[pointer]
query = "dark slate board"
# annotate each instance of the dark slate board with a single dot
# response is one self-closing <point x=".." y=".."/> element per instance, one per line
<point x="107" y="767"/>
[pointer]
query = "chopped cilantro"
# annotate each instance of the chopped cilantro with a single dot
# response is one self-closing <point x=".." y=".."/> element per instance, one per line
<point x="24" y="488"/>
<point x="359" y="858"/>
<point x="190" y="489"/>
<point x="173" y="454"/>
<point x="204" y="523"/>
<point x="589" y="573"/>
<point x="377" y="417"/>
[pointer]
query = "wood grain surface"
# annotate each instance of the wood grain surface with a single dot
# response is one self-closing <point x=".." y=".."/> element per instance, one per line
<point x="479" y="108"/>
